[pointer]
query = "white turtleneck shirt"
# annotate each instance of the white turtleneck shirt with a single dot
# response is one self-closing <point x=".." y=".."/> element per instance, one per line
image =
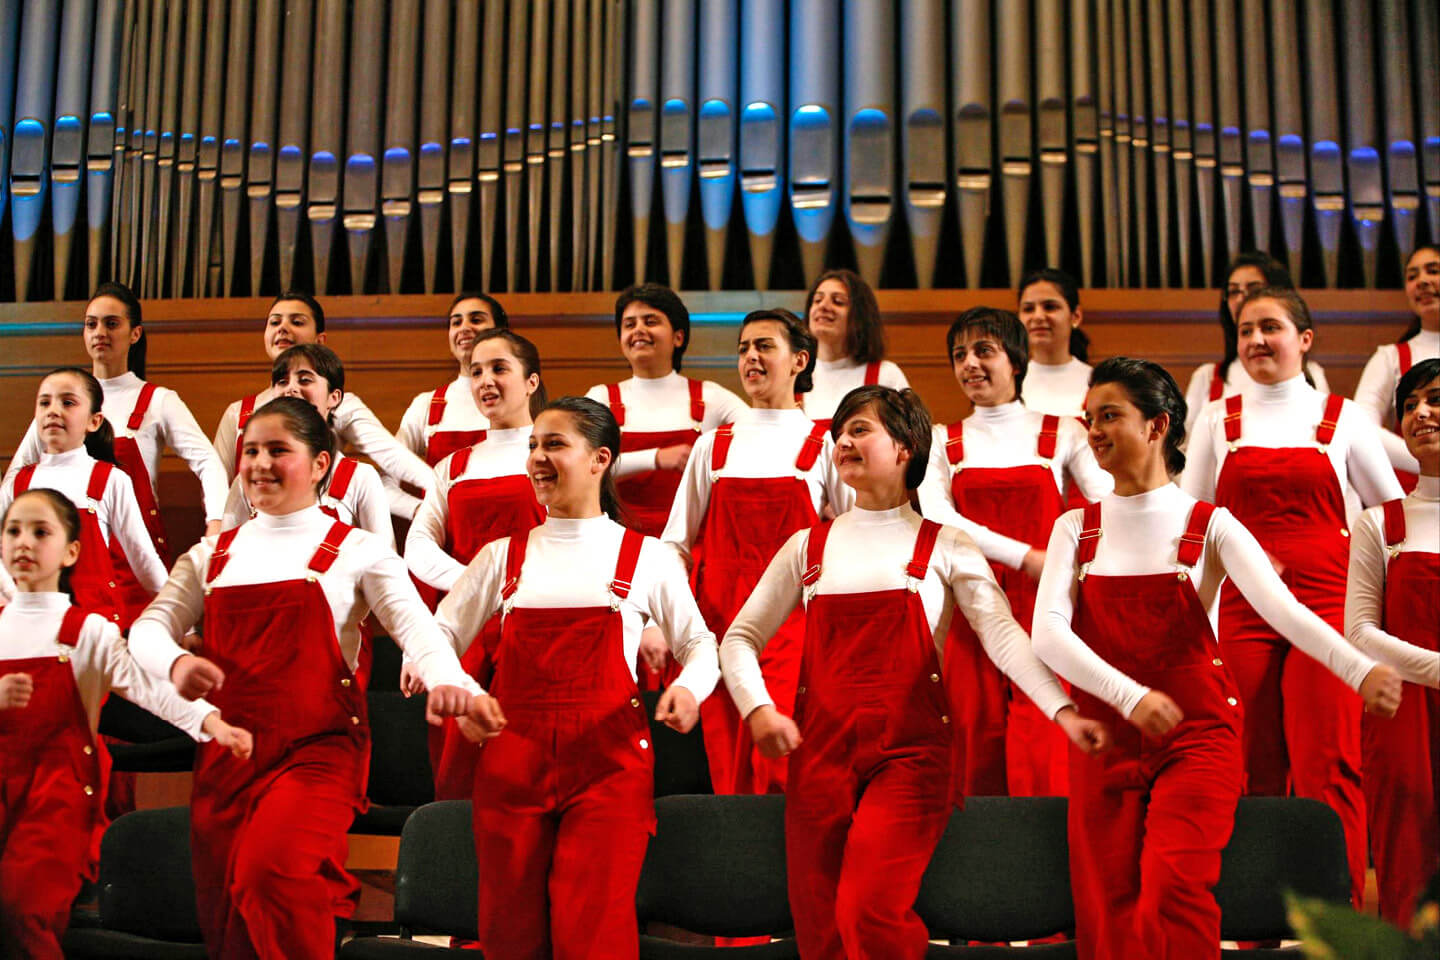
<point x="660" y="405"/>
<point x="1057" y="388"/>
<point x="834" y="378"/>
<point x="1376" y="392"/>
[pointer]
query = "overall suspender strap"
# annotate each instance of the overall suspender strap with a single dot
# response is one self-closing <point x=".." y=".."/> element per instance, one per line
<point x="340" y="479"/>
<point x="1049" y="432"/>
<point x="872" y="373"/>
<point x="616" y="407"/>
<point x="1326" y="431"/>
<point x="329" y="548"/>
<point x="459" y="460"/>
<point x="142" y="404"/>
<point x="514" y="560"/>
<point x="1402" y="350"/>
<point x="955" y="444"/>
<point x="810" y="450"/>
<point x="23" y="477"/>
<point x="1089" y="535"/>
<point x="1217" y="384"/>
<point x="1394" y="522"/>
<point x="815" y="552"/>
<point x="625" y="563"/>
<point x="720" y="452"/>
<point x="1232" y="417"/>
<point x="697" y="402"/>
<point x="221" y="556"/>
<point x="437" y="407"/>
<point x="1192" y="541"/>
<point x="924" y="547"/>
<point x="99" y="477"/>
<point x="247" y="407"/>
<point x="70" y="626"/>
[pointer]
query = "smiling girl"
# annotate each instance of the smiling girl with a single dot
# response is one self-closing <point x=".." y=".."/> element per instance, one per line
<point x="1392" y="612"/>
<point x="870" y="788"/>
<point x="1280" y="457"/>
<point x="57" y="665"/>
<point x="843" y="317"/>
<point x="480" y="494"/>
<point x="282" y="597"/>
<point x="1049" y="306"/>
<point x="772" y="462"/>
<point x="1121" y="614"/>
<point x="563" y="806"/>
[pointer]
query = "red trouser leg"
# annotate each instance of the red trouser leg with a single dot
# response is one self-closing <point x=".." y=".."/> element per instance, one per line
<point x="814" y="857"/>
<point x="452" y="757"/>
<point x="596" y="869"/>
<point x="45" y="832"/>
<point x="979" y="696"/>
<point x="1036" y="750"/>
<point x="516" y="849"/>
<point x="1257" y="664"/>
<point x="1401" y="772"/>
<point x="1106" y="828"/>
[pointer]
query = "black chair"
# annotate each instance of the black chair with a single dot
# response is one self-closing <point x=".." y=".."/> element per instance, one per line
<point x="147" y="892"/>
<point x="1001" y="872"/>
<point x="1279" y="843"/>
<point x="680" y="763"/>
<point x="385" y="660"/>
<point x="400" y="776"/>
<point x="152" y="745"/>
<point x="436" y="884"/>
<point x="716" y="867"/>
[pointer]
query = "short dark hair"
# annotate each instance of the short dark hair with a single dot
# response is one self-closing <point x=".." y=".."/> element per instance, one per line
<point x="598" y="426"/>
<point x="1153" y="391"/>
<point x="865" y="330"/>
<point x="665" y="300"/>
<point x="69" y="519"/>
<point x="1416" y="377"/>
<point x="1276" y="274"/>
<point x="796" y="334"/>
<point x="135" y="356"/>
<point x="528" y="355"/>
<point x="305" y="424"/>
<point x="1003" y="326"/>
<point x="323" y="361"/>
<point x="904" y="416"/>
<point x="497" y="312"/>
<point x="1070" y="292"/>
<point x="317" y="312"/>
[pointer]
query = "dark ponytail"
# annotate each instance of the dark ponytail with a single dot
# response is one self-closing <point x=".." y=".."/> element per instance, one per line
<point x="100" y="442"/>
<point x="69" y="519"/>
<point x="1153" y="391"/>
<point x="598" y="426"/>
<point x="135" y="358"/>
<point x="305" y="424"/>
<point x="1414" y="327"/>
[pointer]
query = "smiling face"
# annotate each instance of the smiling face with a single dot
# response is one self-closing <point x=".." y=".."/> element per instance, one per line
<point x="1422" y="286"/>
<point x="467" y="318"/>
<point x="565" y="471"/>
<point x="829" y="312"/>
<point x="35" y="545"/>
<point x="290" y="322"/>
<point x="277" y="470"/>
<point x="866" y="456"/>
<point x="1420" y="426"/>
<point x="1242" y="282"/>
<point x="983" y="369"/>
<point x="1048" y="321"/>
<point x="63" y="414"/>
<point x="768" y="367"/>
<point x="302" y="381"/>
<point x="500" y="385"/>
<point x="1271" y="348"/>
<point x="648" y="339"/>
<point x="1122" y="440"/>
<point x="108" y="331"/>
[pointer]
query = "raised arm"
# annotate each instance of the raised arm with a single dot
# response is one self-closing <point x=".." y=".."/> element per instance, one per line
<point x="396" y="603"/>
<point x="425" y="543"/>
<point x="182" y="433"/>
<point x="692" y="499"/>
<point x="128" y="528"/>
<point x="1365" y="607"/>
<point x="475" y="596"/>
<point x="155" y="635"/>
<point x="937" y="503"/>
<point x="672" y="607"/>
<point x="148" y="691"/>
<point x="363" y="430"/>
<point x="1366" y="463"/>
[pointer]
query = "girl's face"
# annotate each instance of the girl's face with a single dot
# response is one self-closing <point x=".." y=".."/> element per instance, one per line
<point x="1422" y="285"/>
<point x="983" y="370"/>
<point x="499" y="383"/>
<point x="289" y="323"/>
<point x="563" y="467"/>
<point x="1047" y="316"/>
<point x="302" y="381"/>
<point x="35" y="545"/>
<point x="768" y="367"/>
<point x="468" y="318"/>
<point x="63" y="414"/>
<point x="866" y="456"/>
<point x="1420" y="424"/>
<point x="647" y="337"/>
<point x="1243" y="282"/>
<point x="829" y="316"/>
<point x="1120" y="436"/>
<point x="108" y="331"/>
<point x="277" y="471"/>
<point x="1271" y="347"/>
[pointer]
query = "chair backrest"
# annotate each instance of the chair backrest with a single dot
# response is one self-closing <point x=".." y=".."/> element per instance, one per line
<point x="146" y="884"/>
<point x="716" y="866"/>
<point x="680" y="762"/>
<point x="1000" y="872"/>
<point x="437" y="879"/>
<point x="1279" y="844"/>
<point x="400" y="772"/>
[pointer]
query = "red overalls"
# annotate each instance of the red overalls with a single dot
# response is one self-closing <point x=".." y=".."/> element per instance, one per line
<point x="747" y="522"/>
<point x="135" y="597"/>
<point x="92" y="579"/>
<point x="441" y="443"/>
<point x="1149" y="817"/>
<point x="872" y="377"/>
<point x="247" y="409"/>
<point x="869" y="790"/>
<point x="1301" y="719"/>
<point x="268" y="834"/>
<point x="563" y="807"/>
<point x="52" y="780"/>
<point x="648" y="495"/>
<point x="339" y="484"/>
<point x="480" y="510"/>
<point x="1011" y="748"/>
<point x="1402" y="754"/>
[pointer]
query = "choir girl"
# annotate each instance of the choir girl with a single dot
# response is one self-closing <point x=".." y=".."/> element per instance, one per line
<point x="480" y="493"/>
<point x="438" y="422"/>
<point x="57" y="665"/>
<point x="1390" y="362"/>
<point x="1121" y="614"/>
<point x="563" y="805"/>
<point x="1248" y="272"/>
<point x="145" y="419"/>
<point x="1280" y="456"/>
<point x="78" y="459"/>
<point x="353" y="492"/>
<point x="1003" y="467"/>
<point x="1392" y="613"/>
<point x="870" y="788"/>
<point x="282" y="597"/>
<point x="298" y="318"/>
<point x="844" y="319"/>
<point x="748" y="486"/>
<point x="1049" y="306"/>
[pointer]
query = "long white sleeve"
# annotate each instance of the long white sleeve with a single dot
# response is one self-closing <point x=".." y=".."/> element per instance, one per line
<point x="27" y="453"/>
<point x="181" y="433"/>
<point x="1375" y="394"/>
<point x="155" y="694"/>
<point x="937" y="502"/>
<point x="425" y="543"/>
<point x="370" y="503"/>
<point x="127" y="526"/>
<point x="662" y="405"/>
<point x="360" y="428"/>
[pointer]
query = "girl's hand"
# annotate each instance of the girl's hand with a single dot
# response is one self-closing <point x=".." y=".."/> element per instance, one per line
<point x="1034" y="563"/>
<point x="194" y="677"/>
<point x="1088" y="734"/>
<point x="212" y="528"/>
<point x="1380" y="690"/>
<point x="15" y="690"/>
<point x="1156" y="714"/>
<point x="483" y="720"/>
<point x="774" y="733"/>
<point x="446" y="701"/>
<point x="235" y="739"/>
<point x="653" y="648"/>
<point x="677" y="709"/>
<point x="672" y="458"/>
<point x="410" y="682"/>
